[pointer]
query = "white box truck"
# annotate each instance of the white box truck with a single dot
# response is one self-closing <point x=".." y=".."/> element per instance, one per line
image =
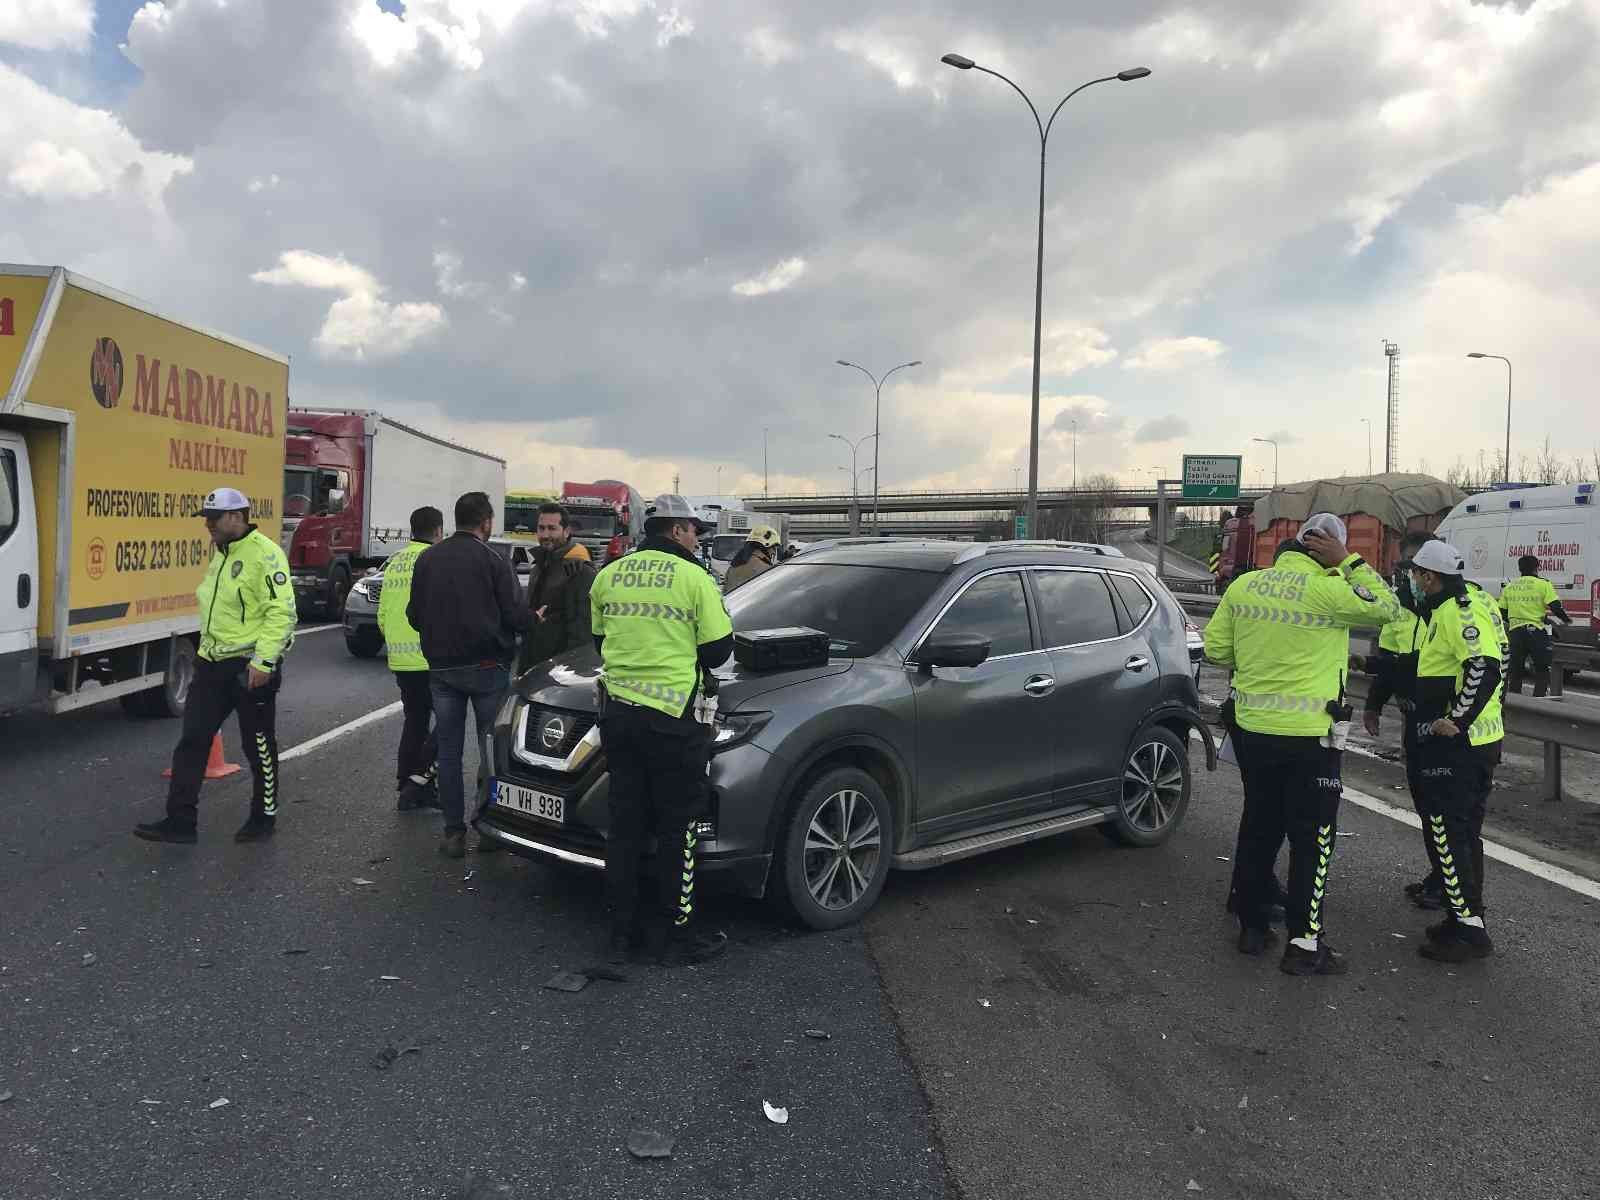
<point x="351" y="480"/>
<point x="115" y="421"/>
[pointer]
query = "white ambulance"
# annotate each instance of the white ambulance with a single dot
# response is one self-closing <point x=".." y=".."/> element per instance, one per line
<point x="1558" y="524"/>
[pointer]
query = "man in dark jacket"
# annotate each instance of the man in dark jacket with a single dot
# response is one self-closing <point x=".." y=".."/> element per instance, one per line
<point x="558" y="591"/>
<point x="465" y="605"/>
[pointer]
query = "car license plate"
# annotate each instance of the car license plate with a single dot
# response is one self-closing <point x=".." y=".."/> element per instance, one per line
<point x="530" y="803"/>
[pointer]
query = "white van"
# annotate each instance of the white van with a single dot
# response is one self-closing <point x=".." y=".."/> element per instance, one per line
<point x="1559" y="524"/>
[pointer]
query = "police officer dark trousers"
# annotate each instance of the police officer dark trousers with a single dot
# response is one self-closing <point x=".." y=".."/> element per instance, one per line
<point x="1527" y="603"/>
<point x="417" y="769"/>
<point x="1285" y="633"/>
<point x="247" y="616"/>
<point x="660" y="626"/>
<point x="1460" y="728"/>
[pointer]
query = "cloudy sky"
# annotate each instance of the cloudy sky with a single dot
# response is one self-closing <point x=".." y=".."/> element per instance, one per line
<point x="621" y="237"/>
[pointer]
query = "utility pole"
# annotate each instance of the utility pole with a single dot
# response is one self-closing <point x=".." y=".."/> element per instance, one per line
<point x="1391" y="445"/>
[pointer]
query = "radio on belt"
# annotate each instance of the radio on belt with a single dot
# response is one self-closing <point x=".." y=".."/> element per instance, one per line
<point x="779" y="649"/>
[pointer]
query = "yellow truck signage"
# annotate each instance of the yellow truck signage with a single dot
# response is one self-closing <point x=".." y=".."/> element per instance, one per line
<point x="162" y="413"/>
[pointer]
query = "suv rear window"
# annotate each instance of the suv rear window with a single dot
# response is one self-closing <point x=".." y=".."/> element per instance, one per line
<point x="860" y="608"/>
<point x="1133" y="596"/>
<point x="1074" y="607"/>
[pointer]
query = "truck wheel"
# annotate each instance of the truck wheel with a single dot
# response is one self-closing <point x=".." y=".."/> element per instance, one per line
<point x="338" y="589"/>
<point x="833" y="854"/>
<point x="172" y="697"/>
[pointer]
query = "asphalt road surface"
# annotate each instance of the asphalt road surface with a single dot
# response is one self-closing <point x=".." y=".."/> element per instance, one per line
<point x="1131" y="542"/>
<point x="1064" y="1019"/>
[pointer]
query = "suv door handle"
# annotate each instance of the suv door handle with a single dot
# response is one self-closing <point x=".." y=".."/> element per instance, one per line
<point x="1040" y="685"/>
<point x="1137" y="663"/>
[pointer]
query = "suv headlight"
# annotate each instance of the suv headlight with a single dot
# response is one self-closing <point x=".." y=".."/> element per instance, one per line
<point x="362" y="588"/>
<point x="734" y="729"/>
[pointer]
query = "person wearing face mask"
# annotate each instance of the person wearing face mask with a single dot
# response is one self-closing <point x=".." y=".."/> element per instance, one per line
<point x="1285" y="633"/>
<point x="1394" y="677"/>
<point x="1459" y="731"/>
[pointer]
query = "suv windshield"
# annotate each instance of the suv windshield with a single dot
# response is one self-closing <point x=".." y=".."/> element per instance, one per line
<point x="859" y="608"/>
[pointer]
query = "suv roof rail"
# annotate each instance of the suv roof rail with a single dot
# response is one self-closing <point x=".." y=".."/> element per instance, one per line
<point x="979" y="549"/>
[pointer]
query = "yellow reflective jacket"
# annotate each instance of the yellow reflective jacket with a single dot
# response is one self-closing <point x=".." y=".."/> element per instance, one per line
<point x="655" y="609"/>
<point x="247" y="603"/>
<point x="404" y="643"/>
<point x="1461" y="668"/>
<point x="1285" y="633"/>
<point x="1525" y="601"/>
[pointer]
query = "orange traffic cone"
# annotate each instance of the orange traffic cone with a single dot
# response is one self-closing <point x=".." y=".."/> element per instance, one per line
<point x="217" y="765"/>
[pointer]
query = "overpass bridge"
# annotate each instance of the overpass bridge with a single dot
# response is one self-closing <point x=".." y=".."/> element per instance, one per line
<point x="978" y="503"/>
<point x="953" y="526"/>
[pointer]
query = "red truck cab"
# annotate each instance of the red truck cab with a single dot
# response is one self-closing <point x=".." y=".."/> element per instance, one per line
<point x="322" y="504"/>
<point x="607" y="517"/>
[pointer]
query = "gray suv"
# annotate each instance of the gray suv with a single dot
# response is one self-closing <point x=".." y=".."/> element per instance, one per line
<point x="974" y="696"/>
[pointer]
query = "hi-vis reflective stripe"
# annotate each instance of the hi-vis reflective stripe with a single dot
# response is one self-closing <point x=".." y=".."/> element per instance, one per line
<point x="654" y="691"/>
<point x="660" y="612"/>
<point x="1305" y="704"/>
<point x="686" y="889"/>
<point x="1319" y="881"/>
<point x="269" y="776"/>
<point x="405" y="648"/>
<point x="1486" y="730"/>
<point x="1447" y="868"/>
<point x="1281" y="616"/>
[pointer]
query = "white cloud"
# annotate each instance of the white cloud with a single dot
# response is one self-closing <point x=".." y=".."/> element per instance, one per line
<point x="518" y="281"/>
<point x="769" y="47"/>
<point x="776" y="279"/>
<point x="1162" y="429"/>
<point x="260" y="185"/>
<point x="447" y="272"/>
<point x="47" y="24"/>
<point x="53" y="149"/>
<point x="454" y="29"/>
<point x="1174" y="354"/>
<point x="46" y="170"/>
<point x="672" y="25"/>
<point x="897" y="62"/>
<point x="361" y="324"/>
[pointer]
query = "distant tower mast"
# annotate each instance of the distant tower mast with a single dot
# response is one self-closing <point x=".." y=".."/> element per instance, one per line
<point x="1391" y="443"/>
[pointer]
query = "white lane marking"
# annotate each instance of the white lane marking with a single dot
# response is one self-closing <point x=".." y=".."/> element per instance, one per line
<point x="322" y="739"/>
<point x="1536" y="867"/>
<point x="317" y="629"/>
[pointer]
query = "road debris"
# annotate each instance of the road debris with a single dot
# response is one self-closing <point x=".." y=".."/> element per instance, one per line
<point x="150" y="1102"/>
<point x="819" y="1035"/>
<point x="1244" y="1101"/>
<point x="388" y="979"/>
<point x="1220" y="858"/>
<point x="778" y="1116"/>
<point x="7" y="1097"/>
<point x="359" y="882"/>
<point x="220" y="1102"/>
<point x="1192" y="1186"/>
<point x="647" y="1143"/>
<point x="289" y="951"/>
<point x="89" y="960"/>
<point x="566" y="981"/>
<point x="386" y="1058"/>
<point x="985" y="1004"/>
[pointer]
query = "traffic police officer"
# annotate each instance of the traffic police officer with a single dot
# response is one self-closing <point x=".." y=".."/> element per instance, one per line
<point x="660" y="626"/>
<point x="1460" y="729"/>
<point x="1284" y="631"/>
<point x="1527" y="602"/>
<point x="1394" y="676"/>
<point x="247" y="616"/>
<point x="416" y="783"/>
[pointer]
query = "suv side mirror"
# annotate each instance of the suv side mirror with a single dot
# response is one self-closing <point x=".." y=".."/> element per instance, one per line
<point x="953" y="650"/>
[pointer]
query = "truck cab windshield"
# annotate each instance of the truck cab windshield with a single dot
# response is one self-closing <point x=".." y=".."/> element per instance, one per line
<point x="314" y="492"/>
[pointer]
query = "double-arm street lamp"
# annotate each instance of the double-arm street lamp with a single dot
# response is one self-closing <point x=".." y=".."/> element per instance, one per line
<point x="855" y="506"/>
<point x="877" y="412"/>
<point x="962" y="63"/>
<point x="1507" y="362"/>
<point x="1274" y="446"/>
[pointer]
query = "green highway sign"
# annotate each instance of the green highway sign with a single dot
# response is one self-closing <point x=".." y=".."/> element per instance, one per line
<point x="1022" y="527"/>
<point x="1211" y="476"/>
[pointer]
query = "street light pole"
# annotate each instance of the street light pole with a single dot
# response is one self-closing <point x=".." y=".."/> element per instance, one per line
<point x="855" y="505"/>
<point x="877" y="412"/>
<point x="1074" y="455"/>
<point x="1274" y="446"/>
<point x="962" y="63"/>
<point x="1507" y="362"/>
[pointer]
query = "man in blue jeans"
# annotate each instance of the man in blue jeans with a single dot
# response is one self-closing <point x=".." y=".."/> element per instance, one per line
<point x="467" y="607"/>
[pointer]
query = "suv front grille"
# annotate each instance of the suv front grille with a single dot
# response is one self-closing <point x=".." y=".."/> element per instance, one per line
<point x="375" y="587"/>
<point x="543" y="721"/>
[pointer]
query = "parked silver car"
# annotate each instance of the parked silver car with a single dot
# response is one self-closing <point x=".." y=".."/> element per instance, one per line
<point x="364" y="639"/>
<point x="972" y="697"/>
